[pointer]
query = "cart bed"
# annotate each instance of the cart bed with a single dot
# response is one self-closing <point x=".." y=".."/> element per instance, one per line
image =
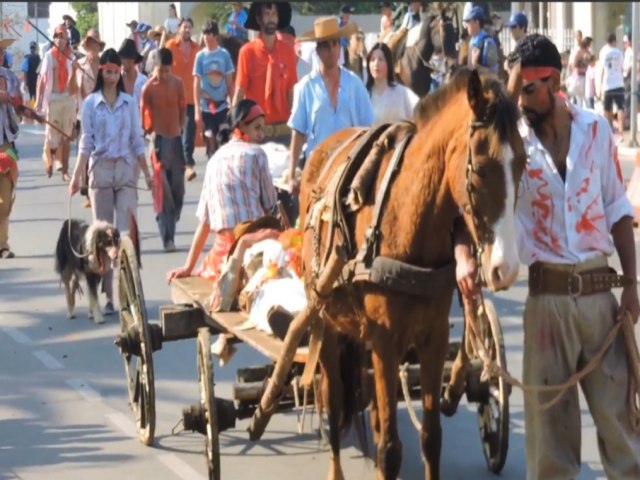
<point x="196" y="291"/>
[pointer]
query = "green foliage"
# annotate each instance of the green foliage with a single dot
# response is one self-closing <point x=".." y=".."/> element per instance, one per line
<point x="333" y="8"/>
<point x="87" y="16"/>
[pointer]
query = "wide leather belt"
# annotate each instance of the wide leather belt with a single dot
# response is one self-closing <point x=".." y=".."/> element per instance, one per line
<point x="544" y="279"/>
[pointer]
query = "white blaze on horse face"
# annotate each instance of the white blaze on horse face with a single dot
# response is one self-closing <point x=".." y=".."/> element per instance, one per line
<point x="504" y="262"/>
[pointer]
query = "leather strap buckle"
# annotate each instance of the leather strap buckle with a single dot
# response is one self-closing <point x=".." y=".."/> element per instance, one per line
<point x="575" y="293"/>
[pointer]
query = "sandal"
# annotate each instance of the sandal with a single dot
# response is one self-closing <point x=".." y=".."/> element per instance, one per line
<point x="6" y="253"/>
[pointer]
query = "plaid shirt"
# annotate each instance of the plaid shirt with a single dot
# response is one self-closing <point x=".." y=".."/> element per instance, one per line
<point x="237" y="186"/>
<point x="8" y="119"/>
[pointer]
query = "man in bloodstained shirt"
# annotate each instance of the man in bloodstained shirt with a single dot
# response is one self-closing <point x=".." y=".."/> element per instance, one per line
<point x="572" y="213"/>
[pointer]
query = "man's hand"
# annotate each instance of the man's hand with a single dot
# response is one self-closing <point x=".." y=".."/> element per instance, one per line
<point x="629" y="303"/>
<point x="466" y="275"/>
<point x="294" y="186"/>
<point x="74" y="185"/>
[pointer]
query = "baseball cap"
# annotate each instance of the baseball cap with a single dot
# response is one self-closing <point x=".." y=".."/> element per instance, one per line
<point x="476" y="13"/>
<point x="518" y="19"/>
<point x="33" y="45"/>
<point x="143" y="27"/>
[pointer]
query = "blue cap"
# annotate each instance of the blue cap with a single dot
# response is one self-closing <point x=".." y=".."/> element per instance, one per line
<point x="33" y="45"/>
<point x="476" y="13"/>
<point x="143" y="27"/>
<point x="518" y="20"/>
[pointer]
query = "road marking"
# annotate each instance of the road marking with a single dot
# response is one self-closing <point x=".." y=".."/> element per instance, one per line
<point x="84" y="389"/>
<point x="47" y="360"/>
<point x="123" y="423"/>
<point x="180" y="467"/>
<point x="17" y="335"/>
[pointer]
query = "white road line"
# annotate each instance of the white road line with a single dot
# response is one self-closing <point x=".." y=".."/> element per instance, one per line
<point x="181" y="468"/>
<point x="123" y="423"/>
<point x="17" y="335"/>
<point x="47" y="360"/>
<point x="84" y="389"/>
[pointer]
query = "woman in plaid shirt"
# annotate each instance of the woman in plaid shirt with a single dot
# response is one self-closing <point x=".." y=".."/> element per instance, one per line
<point x="237" y="188"/>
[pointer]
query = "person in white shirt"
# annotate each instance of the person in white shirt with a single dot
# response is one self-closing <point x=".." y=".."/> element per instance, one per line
<point x="172" y="23"/>
<point x="391" y="102"/>
<point x="612" y="80"/>
<point x="571" y="214"/>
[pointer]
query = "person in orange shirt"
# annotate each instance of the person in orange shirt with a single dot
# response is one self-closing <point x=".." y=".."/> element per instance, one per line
<point x="184" y="51"/>
<point x="266" y="71"/>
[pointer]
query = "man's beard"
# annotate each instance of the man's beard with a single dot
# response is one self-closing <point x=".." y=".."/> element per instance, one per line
<point x="535" y="119"/>
<point x="270" y="28"/>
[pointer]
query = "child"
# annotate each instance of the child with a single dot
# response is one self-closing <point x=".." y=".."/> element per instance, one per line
<point x="590" y="82"/>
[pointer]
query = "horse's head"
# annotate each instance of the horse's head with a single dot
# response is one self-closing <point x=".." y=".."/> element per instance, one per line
<point x="495" y="162"/>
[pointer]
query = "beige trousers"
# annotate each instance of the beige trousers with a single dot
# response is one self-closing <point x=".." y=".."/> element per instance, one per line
<point x="561" y="334"/>
<point x="7" y="196"/>
<point x="111" y="190"/>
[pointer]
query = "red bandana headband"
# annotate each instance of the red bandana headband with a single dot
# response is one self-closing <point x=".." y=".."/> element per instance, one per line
<point x="109" y="66"/>
<point x="530" y="74"/>
<point x="254" y="113"/>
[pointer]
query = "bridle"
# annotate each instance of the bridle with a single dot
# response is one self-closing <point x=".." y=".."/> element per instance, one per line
<point x="484" y="233"/>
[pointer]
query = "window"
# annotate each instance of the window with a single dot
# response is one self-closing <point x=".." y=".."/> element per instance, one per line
<point x="38" y="9"/>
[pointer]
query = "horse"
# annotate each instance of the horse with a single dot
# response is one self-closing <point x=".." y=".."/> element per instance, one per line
<point x="437" y="35"/>
<point x="466" y="158"/>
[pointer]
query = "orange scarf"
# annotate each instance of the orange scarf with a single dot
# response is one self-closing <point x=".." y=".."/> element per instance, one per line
<point x="63" y="73"/>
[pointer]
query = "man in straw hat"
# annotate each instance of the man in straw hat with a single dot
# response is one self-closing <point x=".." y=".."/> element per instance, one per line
<point x="86" y="77"/>
<point x="57" y="88"/>
<point x="329" y="99"/>
<point x="10" y="98"/>
<point x="266" y="70"/>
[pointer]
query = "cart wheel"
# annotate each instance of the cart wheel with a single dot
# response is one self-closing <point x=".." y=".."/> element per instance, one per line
<point x="134" y="342"/>
<point x="207" y="400"/>
<point x="493" y="414"/>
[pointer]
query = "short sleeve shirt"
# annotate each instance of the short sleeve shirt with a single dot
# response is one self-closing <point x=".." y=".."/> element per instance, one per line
<point x="212" y="67"/>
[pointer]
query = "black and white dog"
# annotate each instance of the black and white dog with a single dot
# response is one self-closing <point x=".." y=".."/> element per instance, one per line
<point x="96" y="251"/>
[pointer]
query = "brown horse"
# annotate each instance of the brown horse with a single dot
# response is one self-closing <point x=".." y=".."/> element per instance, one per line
<point x="466" y="156"/>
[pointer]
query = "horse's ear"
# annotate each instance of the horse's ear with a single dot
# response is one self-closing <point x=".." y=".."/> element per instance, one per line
<point x="475" y="95"/>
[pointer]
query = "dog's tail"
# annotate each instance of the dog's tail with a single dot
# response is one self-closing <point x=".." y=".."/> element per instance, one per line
<point x="63" y="248"/>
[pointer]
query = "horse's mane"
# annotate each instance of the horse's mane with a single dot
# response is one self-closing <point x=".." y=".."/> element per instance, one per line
<point x="502" y="113"/>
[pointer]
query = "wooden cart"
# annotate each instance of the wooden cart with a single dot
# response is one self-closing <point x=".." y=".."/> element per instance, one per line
<point x="189" y="317"/>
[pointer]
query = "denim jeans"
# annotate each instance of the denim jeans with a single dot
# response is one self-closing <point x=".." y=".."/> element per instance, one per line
<point x="189" y="136"/>
<point x="169" y="152"/>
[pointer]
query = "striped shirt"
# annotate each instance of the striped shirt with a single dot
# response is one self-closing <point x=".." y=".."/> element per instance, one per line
<point x="237" y="186"/>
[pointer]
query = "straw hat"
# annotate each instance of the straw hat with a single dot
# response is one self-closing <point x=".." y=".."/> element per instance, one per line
<point x="156" y="32"/>
<point x="326" y="28"/>
<point x="6" y="42"/>
<point x="92" y="34"/>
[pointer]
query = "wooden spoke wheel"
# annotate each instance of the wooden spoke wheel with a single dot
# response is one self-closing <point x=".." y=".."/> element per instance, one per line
<point x="208" y="403"/>
<point x="135" y="343"/>
<point x="493" y="413"/>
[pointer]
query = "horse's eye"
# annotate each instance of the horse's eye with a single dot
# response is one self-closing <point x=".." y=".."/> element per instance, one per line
<point x="480" y="170"/>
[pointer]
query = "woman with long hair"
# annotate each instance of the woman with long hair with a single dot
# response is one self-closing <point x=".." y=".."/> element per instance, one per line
<point x="111" y="138"/>
<point x="391" y="102"/>
<point x="237" y="188"/>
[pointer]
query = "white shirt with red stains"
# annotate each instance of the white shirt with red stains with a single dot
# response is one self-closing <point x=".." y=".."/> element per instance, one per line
<point x="569" y="222"/>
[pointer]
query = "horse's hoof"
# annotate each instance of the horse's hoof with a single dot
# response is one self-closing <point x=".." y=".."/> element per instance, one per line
<point x="450" y="401"/>
<point x="71" y="316"/>
<point x="99" y="320"/>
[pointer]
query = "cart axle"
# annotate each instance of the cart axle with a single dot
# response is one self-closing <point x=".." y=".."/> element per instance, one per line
<point x="193" y="416"/>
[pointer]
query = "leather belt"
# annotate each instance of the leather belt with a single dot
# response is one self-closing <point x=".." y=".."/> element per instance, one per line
<point x="544" y="279"/>
<point x="276" y="130"/>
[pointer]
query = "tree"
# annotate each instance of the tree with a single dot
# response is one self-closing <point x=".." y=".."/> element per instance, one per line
<point x="87" y="16"/>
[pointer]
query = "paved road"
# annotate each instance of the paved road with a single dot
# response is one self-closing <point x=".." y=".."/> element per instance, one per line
<point x="63" y="401"/>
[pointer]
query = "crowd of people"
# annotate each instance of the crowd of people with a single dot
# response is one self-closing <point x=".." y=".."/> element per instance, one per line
<point x="151" y="95"/>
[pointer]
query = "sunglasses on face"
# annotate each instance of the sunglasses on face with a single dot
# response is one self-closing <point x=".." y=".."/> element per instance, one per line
<point x="530" y="87"/>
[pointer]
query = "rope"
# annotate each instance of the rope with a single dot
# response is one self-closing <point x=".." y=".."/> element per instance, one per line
<point x="627" y="326"/>
<point x="404" y="377"/>
<point x="73" y="250"/>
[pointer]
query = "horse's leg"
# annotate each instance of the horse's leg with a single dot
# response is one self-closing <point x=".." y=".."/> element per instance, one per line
<point x="432" y="351"/>
<point x="332" y="394"/>
<point x="385" y="360"/>
<point x="455" y="388"/>
<point x="374" y="419"/>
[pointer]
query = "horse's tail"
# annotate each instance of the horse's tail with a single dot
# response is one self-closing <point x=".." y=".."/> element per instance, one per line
<point x="353" y="375"/>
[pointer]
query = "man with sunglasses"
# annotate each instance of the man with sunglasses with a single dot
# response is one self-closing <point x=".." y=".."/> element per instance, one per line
<point x="572" y="213"/>
<point x="328" y="99"/>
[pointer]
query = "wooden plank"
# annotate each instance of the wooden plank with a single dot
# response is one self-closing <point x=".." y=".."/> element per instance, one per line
<point x="197" y="290"/>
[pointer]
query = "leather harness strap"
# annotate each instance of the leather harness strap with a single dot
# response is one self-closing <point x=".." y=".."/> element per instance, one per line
<point x="544" y="279"/>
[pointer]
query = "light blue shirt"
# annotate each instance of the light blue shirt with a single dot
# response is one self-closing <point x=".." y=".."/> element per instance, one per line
<point x="207" y="62"/>
<point x="313" y="116"/>
<point x="111" y="133"/>
<point x="234" y="30"/>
